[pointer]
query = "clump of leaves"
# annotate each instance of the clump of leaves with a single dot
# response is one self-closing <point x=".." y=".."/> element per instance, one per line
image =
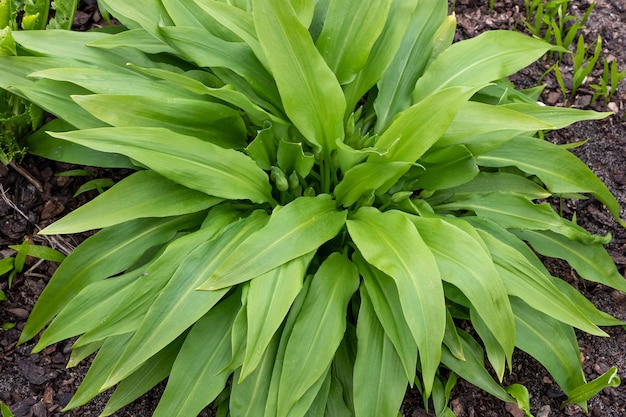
<point x="326" y="195"/>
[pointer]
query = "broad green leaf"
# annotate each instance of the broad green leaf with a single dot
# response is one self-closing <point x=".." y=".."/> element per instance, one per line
<point x="492" y="182"/>
<point x="474" y="120"/>
<point x="292" y="158"/>
<point x="318" y="330"/>
<point x="153" y="371"/>
<point x="190" y="13"/>
<point x="304" y="10"/>
<point x="269" y="299"/>
<point x="551" y="342"/>
<point x="309" y="90"/>
<point x="581" y="394"/>
<point x="119" y="80"/>
<point x="206" y="50"/>
<point x="108" y="252"/>
<point x="557" y="168"/>
<point x="142" y="194"/>
<point x="385" y="300"/>
<point x="220" y="125"/>
<point x="532" y="283"/>
<point x="135" y="38"/>
<point x="477" y="61"/>
<point x="446" y="168"/>
<point x="145" y="13"/>
<point x="195" y="379"/>
<point x="379" y="379"/>
<point x="42" y="144"/>
<point x="592" y="262"/>
<point x="248" y="398"/>
<point x="349" y="32"/>
<point x="472" y="367"/>
<point x="179" y="304"/>
<point x="196" y="164"/>
<point x="382" y="52"/>
<point x="368" y="177"/>
<point x="513" y="211"/>
<point x="227" y="94"/>
<point x="466" y="264"/>
<point x="559" y="117"/>
<point x="416" y="129"/>
<point x="294" y="230"/>
<point x="391" y="243"/>
<point x="398" y="80"/>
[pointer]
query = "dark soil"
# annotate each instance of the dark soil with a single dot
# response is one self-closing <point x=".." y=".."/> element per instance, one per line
<point x="40" y="385"/>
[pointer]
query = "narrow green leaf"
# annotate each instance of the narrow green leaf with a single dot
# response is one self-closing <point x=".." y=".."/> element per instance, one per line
<point x="318" y="330"/>
<point x="309" y="90"/>
<point x="179" y="305"/>
<point x="385" y="299"/>
<point x="142" y="194"/>
<point x="349" y="32"/>
<point x="153" y="371"/>
<point x="99" y="369"/>
<point x="472" y="367"/>
<point x="269" y="299"/>
<point x="294" y="230"/>
<point x="559" y="117"/>
<point x="477" y="61"/>
<point x="379" y="380"/>
<point x="107" y="253"/>
<point x="581" y="394"/>
<point x="391" y="243"/>
<point x="220" y="125"/>
<point x="136" y="38"/>
<point x="446" y="168"/>
<point x="148" y="16"/>
<point x="382" y="52"/>
<point x="186" y="160"/>
<point x="398" y="80"/>
<point x="87" y="309"/>
<point x="195" y="379"/>
<point x="465" y="263"/>
<point x="558" y="169"/>
<point x="551" y="342"/>
<point x="592" y="262"/>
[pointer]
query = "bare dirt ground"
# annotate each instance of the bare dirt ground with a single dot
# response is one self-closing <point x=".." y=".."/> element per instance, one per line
<point x="40" y="385"/>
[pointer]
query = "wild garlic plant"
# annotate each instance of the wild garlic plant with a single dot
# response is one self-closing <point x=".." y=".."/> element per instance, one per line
<point x="326" y="195"/>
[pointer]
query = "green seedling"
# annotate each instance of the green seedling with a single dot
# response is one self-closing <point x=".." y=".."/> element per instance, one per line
<point x="609" y="81"/>
<point x="13" y="265"/>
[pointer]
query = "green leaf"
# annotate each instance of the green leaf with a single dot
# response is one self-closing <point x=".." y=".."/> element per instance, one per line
<point x="416" y="129"/>
<point x="385" y="300"/>
<point x="136" y="38"/>
<point x="294" y="230"/>
<point x="367" y="177"/>
<point x="142" y="194"/>
<point x="318" y="330"/>
<point x="446" y="168"/>
<point x="309" y="90"/>
<point x="220" y="125"/>
<point x="144" y="379"/>
<point x="551" y="342"/>
<point x="186" y="160"/>
<point x="472" y="367"/>
<point x="149" y="15"/>
<point x="559" y="117"/>
<point x="179" y="305"/>
<point x="398" y="80"/>
<point x="466" y="264"/>
<point x="391" y="243"/>
<point x="270" y="297"/>
<point x="196" y="378"/>
<point x="581" y="394"/>
<point x="477" y="61"/>
<point x="6" y="411"/>
<point x="382" y="52"/>
<point x="379" y="380"/>
<point x="557" y="168"/>
<point x="108" y="252"/>
<point x="349" y="32"/>
<point x="591" y="261"/>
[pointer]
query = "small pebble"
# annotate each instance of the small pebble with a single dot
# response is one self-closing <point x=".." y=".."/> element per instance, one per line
<point x="544" y="411"/>
<point x="613" y="107"/>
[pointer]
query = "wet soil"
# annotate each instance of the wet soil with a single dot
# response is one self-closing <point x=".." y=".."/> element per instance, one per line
<point x="40" y="385"/>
